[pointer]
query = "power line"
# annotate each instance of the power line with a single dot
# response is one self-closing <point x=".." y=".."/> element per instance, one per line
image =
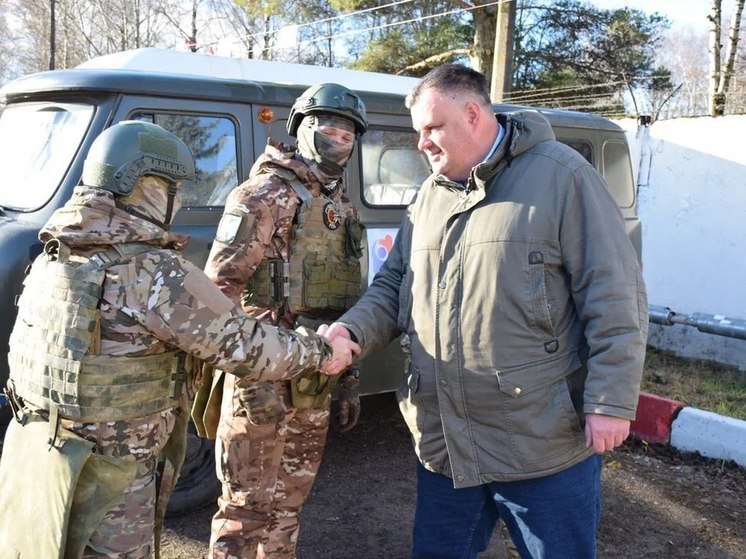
<point x="250" y="36"/>
<point x="372" y="28"/>
<point x="416" y="19"/>
<point x="579" y="98"/>
<point x="325" y="20"/>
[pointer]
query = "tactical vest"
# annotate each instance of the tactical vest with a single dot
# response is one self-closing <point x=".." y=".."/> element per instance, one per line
<point x="322" y="277"/>
<point x="53" y="344"/>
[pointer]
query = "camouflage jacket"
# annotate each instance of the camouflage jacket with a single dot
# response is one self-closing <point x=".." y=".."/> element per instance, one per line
<point x="158" y="301"/>
<point x="268" y="205"/>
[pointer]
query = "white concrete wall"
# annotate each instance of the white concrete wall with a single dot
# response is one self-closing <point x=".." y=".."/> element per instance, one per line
<point x="692" y="203"/>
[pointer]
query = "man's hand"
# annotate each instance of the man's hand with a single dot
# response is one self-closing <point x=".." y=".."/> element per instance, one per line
<point x="605" y="432"/>
<point x="343" y="346"/>
<point x="333" y="331"/>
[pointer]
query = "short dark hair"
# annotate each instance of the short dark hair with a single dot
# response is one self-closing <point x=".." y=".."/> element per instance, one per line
<point x="452" y="78"/>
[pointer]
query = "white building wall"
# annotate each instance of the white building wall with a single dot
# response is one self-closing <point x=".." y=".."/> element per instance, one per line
<point x="692" y="203"/>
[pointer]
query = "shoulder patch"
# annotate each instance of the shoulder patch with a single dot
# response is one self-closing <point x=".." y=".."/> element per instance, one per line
<point x="232" y="226"/>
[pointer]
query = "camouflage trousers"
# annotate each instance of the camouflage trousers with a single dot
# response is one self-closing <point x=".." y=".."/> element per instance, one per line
<point x="267" y="472"/>
<point x="126" y="531"/>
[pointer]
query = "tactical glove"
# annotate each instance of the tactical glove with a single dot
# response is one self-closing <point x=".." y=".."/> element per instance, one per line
<point x="349" y="399"/>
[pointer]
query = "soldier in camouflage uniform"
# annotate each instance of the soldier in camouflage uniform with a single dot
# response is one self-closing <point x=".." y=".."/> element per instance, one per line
<point x="288" y="248"/>
<point x="108" y="322"/>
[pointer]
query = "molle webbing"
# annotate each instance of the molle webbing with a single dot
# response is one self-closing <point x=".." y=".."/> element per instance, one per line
<point x="49" y="360"/>
<point x="107" y="388"/>
<point x="323" y="277"/>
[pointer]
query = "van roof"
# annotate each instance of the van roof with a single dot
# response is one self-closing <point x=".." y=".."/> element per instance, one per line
<point x="167" y="61"/>
<point x="171" y="73"/>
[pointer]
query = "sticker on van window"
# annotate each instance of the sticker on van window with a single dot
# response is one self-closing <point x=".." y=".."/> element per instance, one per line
<point x="380" y="242"/>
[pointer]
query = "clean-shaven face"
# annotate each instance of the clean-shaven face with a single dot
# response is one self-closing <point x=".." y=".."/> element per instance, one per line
<point x="443" y="123"/>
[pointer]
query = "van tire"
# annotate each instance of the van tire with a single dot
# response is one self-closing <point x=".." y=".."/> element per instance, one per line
<point x="198" y="486"/>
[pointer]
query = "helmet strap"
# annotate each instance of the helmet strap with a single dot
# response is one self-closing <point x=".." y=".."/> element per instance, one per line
<point x="132" y="211"/>
<point x="172" y="190"/>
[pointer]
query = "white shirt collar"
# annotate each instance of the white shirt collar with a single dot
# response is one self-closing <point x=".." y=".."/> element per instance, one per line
<point x="498" y="139"/>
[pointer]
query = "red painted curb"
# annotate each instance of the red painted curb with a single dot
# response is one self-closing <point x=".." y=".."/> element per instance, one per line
<point x="654" y="418"/>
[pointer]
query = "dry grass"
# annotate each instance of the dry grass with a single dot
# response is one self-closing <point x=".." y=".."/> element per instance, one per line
<point x="700" y="384"/>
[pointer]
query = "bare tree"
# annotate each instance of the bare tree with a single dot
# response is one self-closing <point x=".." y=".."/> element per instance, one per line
<point x="87" y="28"/>
<point x="721" y="73"/>
<point x="256" y="23"/>
<point x="31" y="53"/>
<point x="7" y="41"/>
<point x="192" y="21"/>
<point x="684" y="53"/>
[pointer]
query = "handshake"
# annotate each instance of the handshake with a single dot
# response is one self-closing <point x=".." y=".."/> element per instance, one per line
<point x="344" y="348"/>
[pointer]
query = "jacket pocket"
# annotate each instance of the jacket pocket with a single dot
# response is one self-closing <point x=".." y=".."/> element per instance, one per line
<point x="261" y="402"/>
<point x="540" y="415"/>
<point x="540" y="306"/>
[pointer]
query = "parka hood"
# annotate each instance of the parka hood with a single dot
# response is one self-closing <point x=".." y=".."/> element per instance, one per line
<point x="523" y="130"/>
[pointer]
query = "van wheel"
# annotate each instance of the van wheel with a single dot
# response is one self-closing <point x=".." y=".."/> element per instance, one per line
<point x="197" y="486"/>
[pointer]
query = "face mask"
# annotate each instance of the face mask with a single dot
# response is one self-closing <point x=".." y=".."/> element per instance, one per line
<point x="327" y="150"/>
<point x="149" y="198"/>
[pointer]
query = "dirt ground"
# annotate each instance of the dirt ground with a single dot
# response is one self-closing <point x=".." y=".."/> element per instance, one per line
<point x="657" y="502"/>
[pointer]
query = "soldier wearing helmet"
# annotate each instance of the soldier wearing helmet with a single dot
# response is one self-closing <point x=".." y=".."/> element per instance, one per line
<point x="287" y="248"/>
<point x="101" y="355"/>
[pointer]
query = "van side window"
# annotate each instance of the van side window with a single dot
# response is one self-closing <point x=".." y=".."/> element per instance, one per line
<point x="393" y="167"/>
<point x="583" y="147"/>
<point x="213" y="142"/>
<point x="37" y="143"/>
<point x="618" y="173"/>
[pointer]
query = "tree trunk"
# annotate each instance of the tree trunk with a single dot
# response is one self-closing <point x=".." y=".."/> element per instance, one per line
<point x="716" y="100"/>
<point x="484" y="38"/>
<point x="730" y="57"/>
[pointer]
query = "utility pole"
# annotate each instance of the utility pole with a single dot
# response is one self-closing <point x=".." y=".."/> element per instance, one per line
<point x="52" y="35"/>
<point x="502" y="60"/>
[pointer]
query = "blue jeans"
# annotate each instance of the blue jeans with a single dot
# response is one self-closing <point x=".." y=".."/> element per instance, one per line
<point x="552" y="517"/>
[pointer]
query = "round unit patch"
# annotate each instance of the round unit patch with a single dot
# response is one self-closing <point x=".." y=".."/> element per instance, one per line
<point x="332" y="216"/>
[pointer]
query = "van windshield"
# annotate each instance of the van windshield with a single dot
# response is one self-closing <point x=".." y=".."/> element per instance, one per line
<point x="37" y="144"/>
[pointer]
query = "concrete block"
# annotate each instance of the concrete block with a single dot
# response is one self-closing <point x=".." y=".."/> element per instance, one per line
<point x="710" y="434"/>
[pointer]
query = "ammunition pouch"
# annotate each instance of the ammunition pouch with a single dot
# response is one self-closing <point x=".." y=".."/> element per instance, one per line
<point x="354" y="238"/>
<point x="311" y="391"/>
<point x="268" y="286"/>
<point x="327" y="285"/>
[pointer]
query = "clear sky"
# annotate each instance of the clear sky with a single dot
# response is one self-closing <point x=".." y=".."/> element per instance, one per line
<point x="682" y="13"/>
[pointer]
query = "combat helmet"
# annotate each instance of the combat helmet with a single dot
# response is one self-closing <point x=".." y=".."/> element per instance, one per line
<point x="328" y="98"/>
<point x="130" y="149"/>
